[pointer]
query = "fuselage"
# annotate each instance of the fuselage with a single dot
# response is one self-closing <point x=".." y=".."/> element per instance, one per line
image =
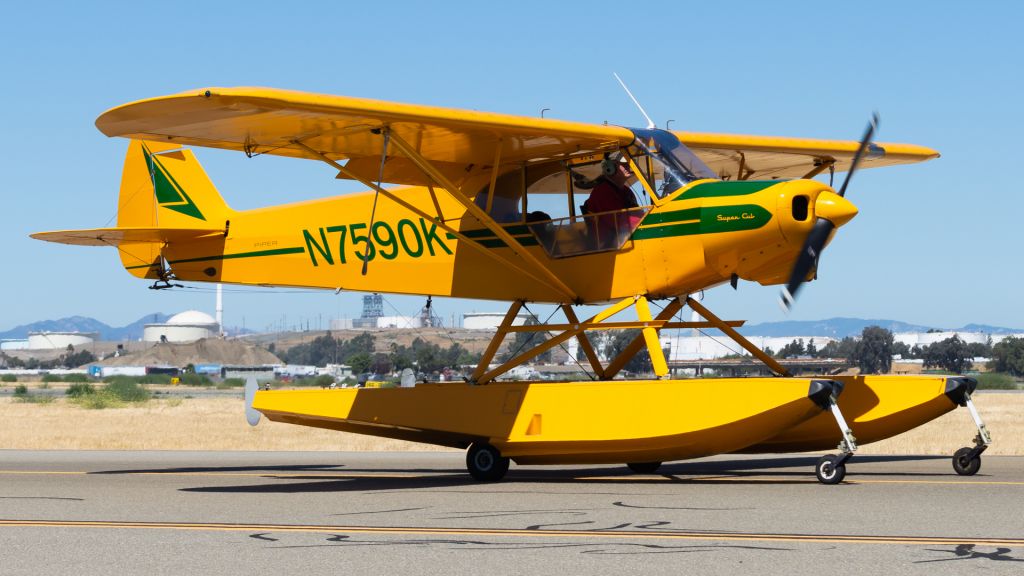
<point x="694" y="238"/>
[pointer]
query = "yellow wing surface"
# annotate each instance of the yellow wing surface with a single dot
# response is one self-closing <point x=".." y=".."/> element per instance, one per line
<point x="744" y="157"/>
<point x="119" y="236"/>
<point x="460" y="143"/>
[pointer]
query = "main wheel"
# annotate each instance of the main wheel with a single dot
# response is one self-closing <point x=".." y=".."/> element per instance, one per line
<point x="485" y="463"/>
<point x="964" y="464"/>
<point x="828" y="471"/>
<point x="644" y="467"/>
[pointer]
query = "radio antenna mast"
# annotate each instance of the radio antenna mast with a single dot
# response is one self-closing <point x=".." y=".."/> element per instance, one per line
<point x="650" y="123"/>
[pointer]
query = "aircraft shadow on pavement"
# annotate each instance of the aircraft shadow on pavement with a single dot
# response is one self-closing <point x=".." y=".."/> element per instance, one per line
<point x="226" y="469"/>
<point x="795" y="470"/>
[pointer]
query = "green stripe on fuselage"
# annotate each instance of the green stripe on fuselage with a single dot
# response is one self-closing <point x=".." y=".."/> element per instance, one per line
<point x="712" y="220"/>
<point x="721" y="188"/>
<point x="674" y="216"/>
<point x="256" y="254"/>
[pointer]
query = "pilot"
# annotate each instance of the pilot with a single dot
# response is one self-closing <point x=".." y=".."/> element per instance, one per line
<point x="611" y="193"/>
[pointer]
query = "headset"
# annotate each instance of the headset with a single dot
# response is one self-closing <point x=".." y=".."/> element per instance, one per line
<point x="609" y="165"/>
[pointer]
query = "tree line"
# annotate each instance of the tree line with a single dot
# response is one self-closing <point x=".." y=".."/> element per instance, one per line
<point x="874" y="350"/>
<point x="70" y="359"/>
<point x="360" y="354"/>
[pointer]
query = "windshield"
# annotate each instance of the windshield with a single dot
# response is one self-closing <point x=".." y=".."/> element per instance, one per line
<point x="679" y="165"/>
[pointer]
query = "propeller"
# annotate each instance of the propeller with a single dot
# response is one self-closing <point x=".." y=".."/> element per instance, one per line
<point x="826" y="205"/>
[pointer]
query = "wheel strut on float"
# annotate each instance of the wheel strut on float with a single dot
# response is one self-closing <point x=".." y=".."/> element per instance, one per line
<point x="485" y="463"/>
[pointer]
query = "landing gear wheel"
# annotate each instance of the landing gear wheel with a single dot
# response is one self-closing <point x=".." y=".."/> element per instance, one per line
<point x="644" y="467"/>
<point x="829" y="470"/>
<point x="964" y="464"/>
<point x="485" y="463"/>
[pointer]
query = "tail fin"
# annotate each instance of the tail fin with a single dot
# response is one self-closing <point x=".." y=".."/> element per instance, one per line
<point x="164" y="186"/>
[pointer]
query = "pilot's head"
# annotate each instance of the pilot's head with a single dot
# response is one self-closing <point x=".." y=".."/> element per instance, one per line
<point x="616" y="169"/>
<point x="622" y="173"/>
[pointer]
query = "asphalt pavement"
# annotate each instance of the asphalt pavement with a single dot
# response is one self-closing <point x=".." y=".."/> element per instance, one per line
<point x="93" y="512"/>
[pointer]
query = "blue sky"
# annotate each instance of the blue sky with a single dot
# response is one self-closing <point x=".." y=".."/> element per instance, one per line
<point x="934" y="244"/>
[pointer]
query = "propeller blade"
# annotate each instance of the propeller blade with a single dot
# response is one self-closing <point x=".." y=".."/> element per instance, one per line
<point x="864" y="143"/>
<point x="807" y="260"/>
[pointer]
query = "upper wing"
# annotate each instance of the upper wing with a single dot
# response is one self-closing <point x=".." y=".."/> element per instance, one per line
<point x="270" y="121"/>
<point x="460" y="143"/>
<point x="767" y="157"/>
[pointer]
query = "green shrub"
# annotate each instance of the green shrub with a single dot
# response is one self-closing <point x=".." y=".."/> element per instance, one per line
<point x="196" y="380"/>
<point x="9" y="378"/>
<point x="323" y="380"/>
<point x="127" y="391"/>
<point x="21" y="395"/>
<point x="80" y="389"/>
<point x="47" y="378"/>
<point x="76" y="378"/>
<point x="120" y="378"/>
<point x="232" y="383"/>
<point x="154" y="379"/>
<point x="995" y="381"/>
<point x="98" y="401"/>
<point x="36" y="398"/>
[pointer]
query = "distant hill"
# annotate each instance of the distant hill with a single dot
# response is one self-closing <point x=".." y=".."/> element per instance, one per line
<point x="990" y="329"/>
<point x="831" y="327"/>
<point x="132" y="331"/>
<point x="843" y="327"/>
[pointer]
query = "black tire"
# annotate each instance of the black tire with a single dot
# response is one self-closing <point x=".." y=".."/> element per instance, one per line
<point x="828" y="472"/>
<point x="485" y="463"/>
<point x="644" y="467"/>
<point x="964" y="464"/>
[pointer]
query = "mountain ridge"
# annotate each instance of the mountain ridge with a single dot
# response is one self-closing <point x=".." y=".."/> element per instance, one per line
<point x="839" y="327"/>
<point x="132" y="331"/>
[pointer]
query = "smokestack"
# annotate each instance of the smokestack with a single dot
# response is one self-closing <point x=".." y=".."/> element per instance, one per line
<point x="220" y="309"/>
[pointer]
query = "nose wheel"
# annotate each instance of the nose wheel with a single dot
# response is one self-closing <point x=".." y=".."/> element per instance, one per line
<point x="831" y="468"/>
<point x="485" y="463"/>
<point x="967" y="460"/>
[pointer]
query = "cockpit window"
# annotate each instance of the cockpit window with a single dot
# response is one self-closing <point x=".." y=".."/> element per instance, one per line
<point x="676" y="165"/>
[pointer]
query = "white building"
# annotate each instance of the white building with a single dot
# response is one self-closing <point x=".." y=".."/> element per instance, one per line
<point x="59" y="340"/>
<point x="187" y="326"/>
<point x="490" y="320"/>
<point x="705" y="347"/>
<point x="376" y="322"/>
<point x="398" y="322"/>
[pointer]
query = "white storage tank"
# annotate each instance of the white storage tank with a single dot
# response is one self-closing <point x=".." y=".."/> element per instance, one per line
<point x="187" y="326"/>
<point x="59" y="340"/>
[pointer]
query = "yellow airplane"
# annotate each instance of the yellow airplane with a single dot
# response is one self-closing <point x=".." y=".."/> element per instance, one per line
<point x="500" y="207"/>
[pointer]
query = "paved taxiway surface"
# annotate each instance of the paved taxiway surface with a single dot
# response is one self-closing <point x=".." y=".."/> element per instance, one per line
<point x="419" y="513"/>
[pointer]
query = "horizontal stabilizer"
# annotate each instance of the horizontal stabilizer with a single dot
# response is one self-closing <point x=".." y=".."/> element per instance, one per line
<point x="118" y="236"/>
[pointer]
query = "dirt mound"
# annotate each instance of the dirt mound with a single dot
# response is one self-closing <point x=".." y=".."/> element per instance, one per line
<point x="207" y="351"/>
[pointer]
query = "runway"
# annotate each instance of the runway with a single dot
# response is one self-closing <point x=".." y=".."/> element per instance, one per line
<point x="419" y="513"/>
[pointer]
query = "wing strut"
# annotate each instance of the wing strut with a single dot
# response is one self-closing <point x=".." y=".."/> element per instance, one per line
<point x="456" y="193"/>
<point x="440" y="223"/>
<point x="738" y="338"/>
<point x="648" y="327"/>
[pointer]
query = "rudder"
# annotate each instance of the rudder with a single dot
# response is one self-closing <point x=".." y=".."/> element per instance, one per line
<point x="164" y="186"/>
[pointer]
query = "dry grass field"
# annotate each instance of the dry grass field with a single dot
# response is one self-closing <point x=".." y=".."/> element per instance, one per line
<point x="191" y="424"/>
<point x="219" y="424"/>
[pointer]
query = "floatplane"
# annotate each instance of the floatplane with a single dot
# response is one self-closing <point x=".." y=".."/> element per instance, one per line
<point x="525" y="210"/>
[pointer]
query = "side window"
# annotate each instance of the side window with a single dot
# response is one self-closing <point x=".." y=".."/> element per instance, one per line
<point x="575" y="208"/>
<point x="507" y="201"/>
